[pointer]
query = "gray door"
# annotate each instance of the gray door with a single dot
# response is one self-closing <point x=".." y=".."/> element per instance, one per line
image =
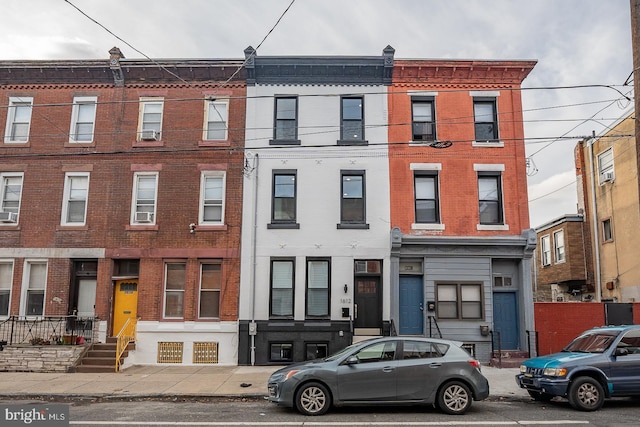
<point x="505" y="321"/>
<point x="411" y="305"/>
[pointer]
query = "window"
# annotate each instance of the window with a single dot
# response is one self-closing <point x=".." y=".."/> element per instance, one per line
<point x="500" y="281"/>
<point x="485" y="119"/>
<point x="545" y="250"/>
<point x="607" y="230"/>
<point x="10" y="191"/>
<point x="558" y="243"/>
<point x="286" y="120"/>
<point x="150" y="126"/>
<point x="74" y="203"/>
<point x="18" y="119"/>
<point x="210" y="281"/>
<point x="6" y="283"/>
<point x="283" y="205"/>
<point x="426" y="193"/>
<point x="459" y="301"/>
<point x="379" y="352"/>
<point x="423" y="120"/>
<point x="281" y="352"/>
<point x="352" y="203"/>
<point x="83" y="118"/>
<point x="212" y="193"/>
<point x="34" y="285"/>
<point x="490" y="198"/>
<point x="423" y="350"/>
<point x="216" y="120"/>
<point x="352" y="122"/>
<point x="318" y="280"/>
<point x="282" y="279"/>
<point x="174" y="283"/>
<point x="605" y="166"/>
<point x="316" y="351"/>
<point x="144" y="198"/>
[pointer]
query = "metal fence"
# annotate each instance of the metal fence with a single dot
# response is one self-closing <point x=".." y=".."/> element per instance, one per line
<point x="48" y="330"/>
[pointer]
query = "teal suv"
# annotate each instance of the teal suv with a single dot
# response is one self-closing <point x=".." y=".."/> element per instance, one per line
<point x="600" y="363"/>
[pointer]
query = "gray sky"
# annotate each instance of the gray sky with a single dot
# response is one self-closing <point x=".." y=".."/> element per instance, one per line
<point x="576" y="43"/>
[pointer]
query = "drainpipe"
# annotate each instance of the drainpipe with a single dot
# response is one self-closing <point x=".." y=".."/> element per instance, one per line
<point x="254" y="262"/>
<point x="594" y="216"/>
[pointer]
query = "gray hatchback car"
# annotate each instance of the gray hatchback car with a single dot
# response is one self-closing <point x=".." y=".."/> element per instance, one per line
<point x="383" y="371"/>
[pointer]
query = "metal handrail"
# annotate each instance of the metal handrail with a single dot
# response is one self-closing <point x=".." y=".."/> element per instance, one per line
<point x="126" y="335"/>
<point x="433" y="320"/>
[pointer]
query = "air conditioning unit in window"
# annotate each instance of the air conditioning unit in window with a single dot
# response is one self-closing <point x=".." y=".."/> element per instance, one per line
<point x="149" y="135"/>
<point x="607" y="177"/>
<point x="144" y="216"/>
<point x="8" y="217"/>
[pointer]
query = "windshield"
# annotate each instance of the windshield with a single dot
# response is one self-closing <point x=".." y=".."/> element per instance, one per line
<point x="592" y="342"/>
<point x="337" y="355"/>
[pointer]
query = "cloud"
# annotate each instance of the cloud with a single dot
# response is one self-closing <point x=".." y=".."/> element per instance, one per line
<point x="553" y="197"/>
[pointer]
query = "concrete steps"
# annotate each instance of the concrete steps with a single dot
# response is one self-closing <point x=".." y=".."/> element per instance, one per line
<point x="101" y="357"/>
<point x="508" y="359"/>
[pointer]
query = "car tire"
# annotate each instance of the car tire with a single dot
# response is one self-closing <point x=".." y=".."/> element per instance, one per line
<point x="313" y="399"/>
<point x="454" y="398"/>
<point x="586" y="394"/>
<point x="540" y="396"/>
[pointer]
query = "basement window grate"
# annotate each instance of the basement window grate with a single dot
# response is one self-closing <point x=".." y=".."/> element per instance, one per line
<point x="205" y="352"/>
<point x="170" y="352"/>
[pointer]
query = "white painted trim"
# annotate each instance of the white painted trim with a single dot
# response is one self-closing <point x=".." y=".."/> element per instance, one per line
<point x="487" y="93"/>
<point x="487" y="144"/>
<point x="496" y="227"/>
<point x="425" y="166"/>
<point x="437" y="227"/>
<point x="488" y="167"/>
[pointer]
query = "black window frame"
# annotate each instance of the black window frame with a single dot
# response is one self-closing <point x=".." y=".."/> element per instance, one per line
<point x="281" y="345"/>
<point x="327" y="313"/>
<point x="423" y="100"/>
<point x="358" y="222"/>
<point x="479" y="124"/>
<point x="279" y="222"/>
<point x="459" y="301"/>
<point x="344" y="139"/>
<point x="292" y="261"/>
<point x="499" y="201"/>
<point x="277" y="138"/>
<point x="436" y="201"/>
<point x="318" y="354"/>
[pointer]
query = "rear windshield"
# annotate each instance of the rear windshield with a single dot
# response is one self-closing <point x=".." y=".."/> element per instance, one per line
<point x="592" y="342"/>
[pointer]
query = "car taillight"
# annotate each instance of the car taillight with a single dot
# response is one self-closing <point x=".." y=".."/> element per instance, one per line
<point x="474" y="363"/>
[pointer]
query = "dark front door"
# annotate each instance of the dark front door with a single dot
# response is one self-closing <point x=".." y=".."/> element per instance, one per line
<point x="505" y="320"/>
<point x="368" y="307"/>
<point x="411" y="305"/>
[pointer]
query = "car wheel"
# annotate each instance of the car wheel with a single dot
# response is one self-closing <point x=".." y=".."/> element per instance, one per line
<point x="454" y="398"/>
<point x="586" y="394"/>
<point x="313" y="399"/>
<point x="540" y="396"/>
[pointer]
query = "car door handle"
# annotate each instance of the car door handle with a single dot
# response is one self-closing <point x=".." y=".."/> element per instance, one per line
<point x="387" y="369"/>
<point x="435" y="365"/>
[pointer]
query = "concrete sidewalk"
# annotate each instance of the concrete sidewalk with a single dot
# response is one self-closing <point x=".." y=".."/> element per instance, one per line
<point x="181" y="381"/>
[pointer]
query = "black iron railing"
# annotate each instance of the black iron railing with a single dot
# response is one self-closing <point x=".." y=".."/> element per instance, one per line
<point x="48" y="329"/>
<point x="434" y="323"/>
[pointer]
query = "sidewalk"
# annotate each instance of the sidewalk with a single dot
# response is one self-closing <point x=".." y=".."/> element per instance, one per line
<point x="181" y="381"/>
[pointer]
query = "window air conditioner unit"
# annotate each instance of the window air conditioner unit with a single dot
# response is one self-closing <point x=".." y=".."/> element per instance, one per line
<point x="144" y="216"/>
<point x="8" y="217"/>
<point x="149" y="135"/>
<point x="607" y="177"/>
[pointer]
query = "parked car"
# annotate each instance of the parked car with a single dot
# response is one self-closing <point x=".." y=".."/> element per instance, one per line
<point x="383" y="371"/>
<point x="600" y="363"/>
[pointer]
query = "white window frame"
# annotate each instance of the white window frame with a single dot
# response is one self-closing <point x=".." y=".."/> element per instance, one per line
<point x="202" y="291"/>
<point x="212" y="114"/>
<point x="3" y="188"/>
<point x="605" y="166"/>
<point x="26" y="289"/>
<point x="166" y="291"/>
<point x="545" y="250"/>
<point x="15" y="102"/>
<point x="559" y="246"/>
<point x="6" y="284"/>
<point x="70" y="197"/>
<point x="78" y="103"/>
<point x="204" y="202"/>
<point x="135" y="205"/>
<point x="146" y="102"/>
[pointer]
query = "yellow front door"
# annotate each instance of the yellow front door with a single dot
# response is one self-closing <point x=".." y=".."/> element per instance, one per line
<point x="125" y="303"/>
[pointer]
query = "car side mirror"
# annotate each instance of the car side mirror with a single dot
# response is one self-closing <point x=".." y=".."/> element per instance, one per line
<point x="352" y="360"/>
<point x="621" y="351"/>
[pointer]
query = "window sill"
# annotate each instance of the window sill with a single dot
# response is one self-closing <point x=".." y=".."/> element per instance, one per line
<point x="487" y="144"/>
<point x="141" y="227"/>
<point x="352" y="226"/>
<point x="4" y="226"/>
<point x="283" y="226"/>
<point x="421" y="143"/>
<point x="211" y="227"/>
<point x="284" y="142"/>
<point x="147" y="144"/>
<point x="69" y="227"/>
<point x="492" y="227"/>
<point x="80" y="144"/>
<point x="352" y="142"/>
<point x="21" y="144"/>
<point x="422" y="226"/>
<point x="214" y="143"/>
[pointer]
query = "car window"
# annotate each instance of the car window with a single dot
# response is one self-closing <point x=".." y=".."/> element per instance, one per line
<point x="377" y="352"/>
<point x="420" y="350"/>
<point x="593" y="342"/>
<point x="631" y="342"/>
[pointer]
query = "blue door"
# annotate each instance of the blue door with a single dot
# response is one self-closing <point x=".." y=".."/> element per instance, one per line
<point x="411" y="305"/>
<point x="505" y="320"/>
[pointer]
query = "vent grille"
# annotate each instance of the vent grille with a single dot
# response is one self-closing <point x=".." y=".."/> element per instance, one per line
<point x="205" y="352"/>
<point x="170" y="352"/>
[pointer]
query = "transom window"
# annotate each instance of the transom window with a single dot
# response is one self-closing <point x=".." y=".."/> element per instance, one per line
<point x="83" y="118"/>
<point x="423" y="119"/>
<point x="459" y="301"/>
<point x="18" y="119"/>
<point x="352" y="120"/>
<point x="286" y="120"/>
<point x="212" y="197"/>
<point x="174" y="285"/>
<point x="485" y="119"/>
<point x="426" y="200"/>
<point x="216" y="120"/>
<point x="490" y="198"/>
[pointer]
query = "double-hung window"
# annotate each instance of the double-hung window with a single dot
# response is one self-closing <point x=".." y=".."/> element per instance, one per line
<point x="18" y="119"/>
<point x="282" y="286"/>
<point x="607" y="230"/>
<point x="426" y="197"/>
<point x="33" y="288"/>
<point x="558" y="243"/>
<point x="485" y="119"/>
<point x="423" y="122"/>
<point x="74" y="203"/>
<point x="150" y="121"/>
<point x="490" y="198"/>
<point x="352" y="120"/>
<point x="545" y="250"/>
<point x="286" y="120"/>
<point x="174" y="284"/>
<point x="83" y="117"/>
<point x="216" y="120"/>
<point x="210" y="281"/>
<point x="605" y="166"/>
<point x="283" y="205"/>
<point x="11" y="192"/>
<point x="212" y="194"/>
<point x="318" y="287"/>
<point x="6" y="283"/>
<point x="459" y="301"/>
<point x="145" y="193"/>
<point x="352" y="200"/>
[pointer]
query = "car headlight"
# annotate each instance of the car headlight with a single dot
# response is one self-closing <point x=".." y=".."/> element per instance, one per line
<point x="555" y="372"/>
<point x="523" y="369"/>
<point x="290" y="374"/>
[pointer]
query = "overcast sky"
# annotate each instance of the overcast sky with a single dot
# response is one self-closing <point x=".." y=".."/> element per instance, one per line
<point x="576" y="43"/>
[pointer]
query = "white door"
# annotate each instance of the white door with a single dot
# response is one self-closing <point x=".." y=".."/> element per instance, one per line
<point x="86" y="297"/>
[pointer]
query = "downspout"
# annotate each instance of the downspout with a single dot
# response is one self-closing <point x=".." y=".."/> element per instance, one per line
<point x="254" y="263"/>
<point x="594" y="217"/>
